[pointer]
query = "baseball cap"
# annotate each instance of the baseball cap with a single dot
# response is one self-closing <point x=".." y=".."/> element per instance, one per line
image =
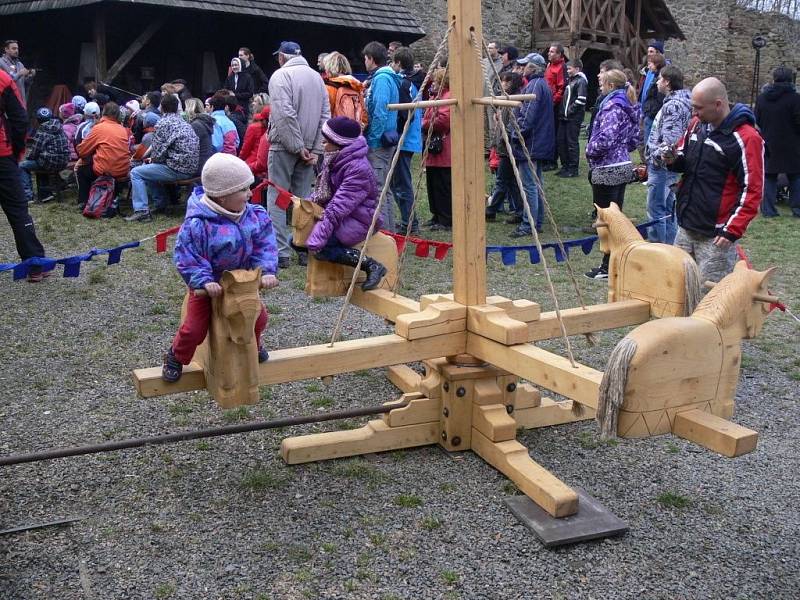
<point x="533" y="57"/>
<point x="288" y="48"/>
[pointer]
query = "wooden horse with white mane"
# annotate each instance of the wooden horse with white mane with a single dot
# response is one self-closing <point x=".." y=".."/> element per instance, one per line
<point x="679" y="374"/>
<point x="663" y="275"/>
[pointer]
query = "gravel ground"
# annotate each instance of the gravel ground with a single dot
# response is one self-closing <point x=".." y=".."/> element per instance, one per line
<point x="225" y="518"/>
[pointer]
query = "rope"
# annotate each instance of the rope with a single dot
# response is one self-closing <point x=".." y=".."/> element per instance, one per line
<point x="527" y="207"/>
<point x="382" y="197"/>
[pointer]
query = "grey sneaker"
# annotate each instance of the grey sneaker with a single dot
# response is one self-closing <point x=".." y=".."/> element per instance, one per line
<point x="139" y="215"/>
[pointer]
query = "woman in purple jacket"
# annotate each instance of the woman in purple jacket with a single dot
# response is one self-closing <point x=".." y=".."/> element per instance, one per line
<point x="614" y="136"/>
<point x="347" y="189"/>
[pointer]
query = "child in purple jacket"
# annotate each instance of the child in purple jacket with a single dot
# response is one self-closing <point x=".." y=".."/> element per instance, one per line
<point x="347" y="190"/>
<point x="222" y="232"/>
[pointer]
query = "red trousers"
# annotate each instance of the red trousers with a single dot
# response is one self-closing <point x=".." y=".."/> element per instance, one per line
<point x="194" y="328"/>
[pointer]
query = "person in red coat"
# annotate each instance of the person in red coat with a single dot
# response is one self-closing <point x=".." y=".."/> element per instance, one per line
<point x="437" y="164"/>
<point x="556" y="77"/>
<point x="253" y="140"/>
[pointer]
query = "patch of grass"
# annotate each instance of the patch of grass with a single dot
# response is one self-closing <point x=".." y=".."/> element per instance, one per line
<point x="233" y="415"/>
<point x="447" y="488"/>
<point x="322" y="402"/>
<point x="179" y="409"/>
<point x="158" y="309"/>
<point x="672" y="447"/>
<point x="303" y="575"/>
<point x="261" y="479"/>
<point x="328" y="547"/>
<point x="165" y="590"/>
<point x="673" y="500"/>
<point x="203" y="445"/>
<point x="590" y="441"/>
<point x="313" y="388"/>
<point x="98" y="276"/>
<point x="274" y="309"/>
<point x="450" y="577"/>
<point x="377" y="539"/>
<point x="358" y="468"/>
<point x="510" y="489"/>
<point x="350" y="585"/>
<point x="407" y="501"/>
<point x="298" y="553"/>
<point x="265" y="393"/>
<point x="431" y="523"/>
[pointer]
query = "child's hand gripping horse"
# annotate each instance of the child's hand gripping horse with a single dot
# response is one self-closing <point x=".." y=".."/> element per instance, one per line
<point x="222" y="232"/>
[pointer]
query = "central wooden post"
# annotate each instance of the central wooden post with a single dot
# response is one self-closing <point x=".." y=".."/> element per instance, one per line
<point x="467" y="166"/>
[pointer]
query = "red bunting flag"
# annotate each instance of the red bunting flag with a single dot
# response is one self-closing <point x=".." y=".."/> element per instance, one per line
<point x="161" y="238"/>
<point x="284" y="199"/>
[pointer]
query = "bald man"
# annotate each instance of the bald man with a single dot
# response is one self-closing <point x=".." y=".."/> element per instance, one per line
<point x="721" y="156"/>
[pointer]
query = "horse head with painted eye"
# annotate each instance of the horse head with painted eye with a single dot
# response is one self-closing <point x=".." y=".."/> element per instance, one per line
<point x="240" y="304"/>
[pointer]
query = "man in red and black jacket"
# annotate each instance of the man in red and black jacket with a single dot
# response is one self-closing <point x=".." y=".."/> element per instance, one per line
<point x="556" y="77"/>
<point x="721" y="156"/>
<point x="13" y="124"/>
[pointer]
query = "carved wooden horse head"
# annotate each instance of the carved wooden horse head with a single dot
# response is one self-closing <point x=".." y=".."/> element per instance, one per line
<point x="240" y="304"/>
<point x="614" y="229"/>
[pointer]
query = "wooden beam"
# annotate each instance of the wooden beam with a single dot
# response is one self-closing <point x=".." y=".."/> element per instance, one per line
<point x="493" y="322"/>
<point x="714" y="433"/>
<point x="540" y="367"/>
<point x="422" y="104"/>
<point x="549" y="413"/>
<point x="468" y="168"/>
<point x="306" y="362"/>
<point x="145" y="36"/>
<point x="384" y="303"/>
<point x="437" y="319"/>
<point x="494" y="422"/>
<point x="404" y="378"/>
<point x="512" y="459"/>
<point x="596" y="317"/>
<point x="375" y="436"/>
<point x="419" y="410"/>
<point x="100" y="40"/>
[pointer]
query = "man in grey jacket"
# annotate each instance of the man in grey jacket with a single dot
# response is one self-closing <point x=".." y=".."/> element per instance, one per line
<point x="299" y="107"/>
<point x="12" y="65"/>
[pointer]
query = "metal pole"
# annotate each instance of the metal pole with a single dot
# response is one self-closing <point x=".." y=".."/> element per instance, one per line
<point x="16" y="459"/>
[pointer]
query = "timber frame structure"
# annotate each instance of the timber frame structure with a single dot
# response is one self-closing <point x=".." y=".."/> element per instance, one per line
<point x="618" y="27"/>
<point x="475" y="347"/>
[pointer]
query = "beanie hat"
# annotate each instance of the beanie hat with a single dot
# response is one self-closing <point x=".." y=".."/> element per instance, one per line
<point x="66" y="110"/>
<point x="79" y="102"/>
<point x="150" y="119"/>
<point x="342" y="131"/>
<point x="91" y="108"/>
<point x="657" y="44"/>
<point x="133" y="106"/>
<point x="225" y="174"/>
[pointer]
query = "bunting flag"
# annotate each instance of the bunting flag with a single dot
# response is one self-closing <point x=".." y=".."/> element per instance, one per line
<point x="284" y="199"/>
<point x="422" y="247"/>
<point x="161" y="238"/>
<point x="72" y="264"/>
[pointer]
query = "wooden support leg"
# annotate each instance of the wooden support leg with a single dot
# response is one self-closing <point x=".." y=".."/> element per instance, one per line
<point x="714" y="433"/>
<point x="549" y="412"/>
<point x="512" y="460"/>
<point x="375" y="436"/>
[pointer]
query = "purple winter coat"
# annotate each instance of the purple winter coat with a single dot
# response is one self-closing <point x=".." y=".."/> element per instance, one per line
<point x="615" y="133"/>
<point x="354" y="196"/>
<point x="70" y="127"/>
<point x="209" y="243"/>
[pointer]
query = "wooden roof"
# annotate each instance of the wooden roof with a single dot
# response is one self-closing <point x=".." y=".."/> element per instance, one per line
<point x="657" y="18"/>
<point x="374" y="15"/>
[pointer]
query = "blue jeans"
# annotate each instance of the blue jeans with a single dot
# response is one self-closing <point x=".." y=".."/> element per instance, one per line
<point x="532" y="193"/>
<point x="648" y="125"/>
<point x="149" y="179"/>
<point x="403" y="189"/>
<point x="771" y="193"/>
<point x="660" y="203"/>
<point x="505" y="186"/>
<point x="25" y="168"/>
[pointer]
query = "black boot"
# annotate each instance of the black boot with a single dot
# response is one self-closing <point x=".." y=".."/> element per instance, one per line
<point x="375" y="272"/>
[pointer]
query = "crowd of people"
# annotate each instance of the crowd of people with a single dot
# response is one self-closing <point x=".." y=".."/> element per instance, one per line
<point x="277" y="126"/>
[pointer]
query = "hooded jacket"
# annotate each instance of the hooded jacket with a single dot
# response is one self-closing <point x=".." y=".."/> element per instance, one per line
<point x="354" y="196"/>
<point x="723" y="175"/>
<point x="536" y="121"/>
<point x="242" y="87"/>
<point x="13" y="118"/>
<point x="255" y="131"/>
<point x="175" y="144"/>
<point x="573" y="105"/>
<point x="109" y="145"/>
<point x="556" y="77"/>
<point x="50" y="148"/>
<point x="384" y="89"/>
<point x="778" y="118"/>
<point x="70" y="127"/>
<point x="615" y="133"/>
<point x="300" y="107"/>
<point x="669" y="125"/>
<point x="209" y="243"/>
<point x="225" y="137"/>
<point x="203" y="127"/>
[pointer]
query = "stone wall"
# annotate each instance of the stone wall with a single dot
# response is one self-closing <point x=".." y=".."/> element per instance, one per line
<point x="718" y="35"/>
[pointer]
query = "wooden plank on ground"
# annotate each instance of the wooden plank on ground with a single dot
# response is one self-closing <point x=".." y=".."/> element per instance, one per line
<point x="512" y="459"/>
<point x="375" y="436"/>
<point x="540" y="367"/>
<point x="149" y="384"/>
<point x="596" y="317"/>
<point x="714" y="433"/>
<point x="306" y="362"/>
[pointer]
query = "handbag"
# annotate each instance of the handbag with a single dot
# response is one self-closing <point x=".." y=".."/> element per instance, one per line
<point x="617" y="174"/>
<point x="436" y="143"/>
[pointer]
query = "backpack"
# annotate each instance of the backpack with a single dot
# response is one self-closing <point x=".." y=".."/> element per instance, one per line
<point x="349" y="103"/>
<point x="101" y="198"/>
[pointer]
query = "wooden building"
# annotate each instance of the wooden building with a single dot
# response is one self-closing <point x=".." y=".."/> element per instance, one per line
<point x="138" y="46"/>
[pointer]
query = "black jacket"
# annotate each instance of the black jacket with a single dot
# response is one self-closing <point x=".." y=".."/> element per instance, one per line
<point x="723" y="175"/>
<point x="203" y="126"/>
<point x="243" y="89"/>
<point x="778" y="118"/>
<point x="654" y="100"/>
<point x="240" y="122"/>
<point x="573" y="104"/>
<point x="260" y="79"/>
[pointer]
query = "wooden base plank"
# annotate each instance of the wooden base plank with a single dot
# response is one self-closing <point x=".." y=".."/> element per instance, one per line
<point x="375" y="436"/>
<point x="384" y="303"/>
<point x="714" y="433"/>
<point x="550" y="412"/>
<point x="494" y="422"/>
<point x="404" y="378"/>
<point x="541" y="367"/>
<point x="512" y="459"/>
<point x="148" y="381"/>
<point x="596" y="317"/>
<point x="306" y="362"/>
<point x="419" y="410"/>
